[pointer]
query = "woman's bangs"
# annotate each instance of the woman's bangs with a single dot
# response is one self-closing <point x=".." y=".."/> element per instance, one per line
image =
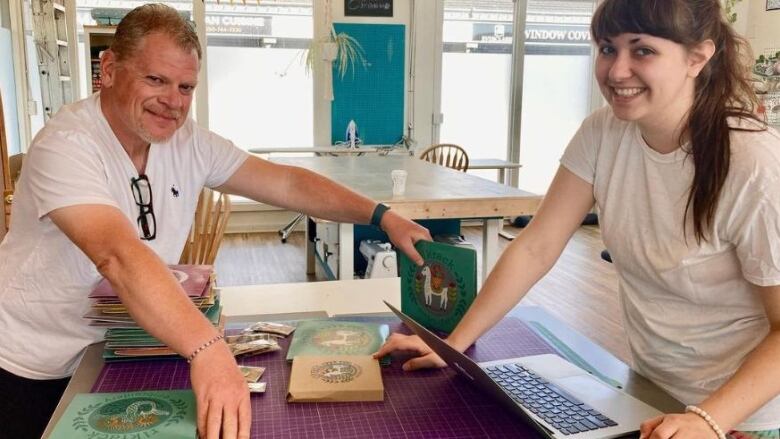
<point x="652" y="17"/>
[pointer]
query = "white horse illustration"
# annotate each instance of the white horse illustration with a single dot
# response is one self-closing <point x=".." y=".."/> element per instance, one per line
<point x="345" y="338"/>
<point x="135" y="411"/>
<point x="429" y="292"/>
<point x="336" y="371"/>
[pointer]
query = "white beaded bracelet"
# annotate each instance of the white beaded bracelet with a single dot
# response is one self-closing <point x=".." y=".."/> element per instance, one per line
<point x="203" y="347"/>
<point x="706" y="416"/>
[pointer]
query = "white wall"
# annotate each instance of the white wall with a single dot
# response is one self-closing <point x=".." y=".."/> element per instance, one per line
<point x="762" y="27"/>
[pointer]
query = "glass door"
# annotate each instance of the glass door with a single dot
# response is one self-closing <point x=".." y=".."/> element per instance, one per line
<point x="476" y="76"/>
<point x="557" y="81"/>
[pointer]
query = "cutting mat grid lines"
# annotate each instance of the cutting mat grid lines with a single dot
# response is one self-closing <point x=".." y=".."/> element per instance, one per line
<point x="431" y="403"/>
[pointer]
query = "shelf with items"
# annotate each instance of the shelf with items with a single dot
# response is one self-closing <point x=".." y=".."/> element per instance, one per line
<point x="770" y="107"/>
<point x="766" y="71"/>
<point x="766" y="74"/>
<point x="96" y="40"/>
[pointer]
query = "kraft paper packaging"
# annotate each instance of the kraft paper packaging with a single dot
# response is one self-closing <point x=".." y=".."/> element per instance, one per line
<point x="340" y="378"/>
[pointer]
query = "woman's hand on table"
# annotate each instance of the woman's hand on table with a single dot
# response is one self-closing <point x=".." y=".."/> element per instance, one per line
<point x="425" y="359"/>
<point x="221" y="393"/>
<point x="677" y="425"/>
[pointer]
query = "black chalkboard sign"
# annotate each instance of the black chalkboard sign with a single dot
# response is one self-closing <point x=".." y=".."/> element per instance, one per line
<point x="368" y="8"/>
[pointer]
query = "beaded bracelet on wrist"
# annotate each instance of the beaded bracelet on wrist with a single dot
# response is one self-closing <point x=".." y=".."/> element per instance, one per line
<point x="706" y="416"/>
<point x="203" y="347"/>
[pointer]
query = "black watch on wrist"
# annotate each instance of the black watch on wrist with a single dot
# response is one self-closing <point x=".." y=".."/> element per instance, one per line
<point x="379" y="212"/>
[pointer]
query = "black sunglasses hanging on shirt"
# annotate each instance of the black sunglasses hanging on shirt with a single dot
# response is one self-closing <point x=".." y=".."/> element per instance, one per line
<point x="142" y="192"/>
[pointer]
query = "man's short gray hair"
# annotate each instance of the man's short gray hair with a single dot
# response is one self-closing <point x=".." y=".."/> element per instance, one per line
<point x="149" y="19"/>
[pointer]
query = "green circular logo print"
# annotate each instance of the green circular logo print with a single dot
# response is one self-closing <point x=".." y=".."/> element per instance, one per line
<point x="336" y="371"/>
<point x="436" y="288"/>
<point x="130" y="415"/>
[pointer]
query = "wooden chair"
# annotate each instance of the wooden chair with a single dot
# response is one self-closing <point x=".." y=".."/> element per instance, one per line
<point x="211" y="218"/>
<point x="447" y="154"/>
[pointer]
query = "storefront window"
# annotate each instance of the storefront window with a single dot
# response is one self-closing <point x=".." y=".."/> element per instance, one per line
<point x="557" y="82"/>
<point x="259" y="92"/>
<point x="95" y="24"/>
<point x="476" y="79"/>
<point x="476" y="75"/>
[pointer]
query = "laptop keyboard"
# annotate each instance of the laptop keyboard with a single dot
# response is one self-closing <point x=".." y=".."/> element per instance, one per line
<point x="548" y="401"/>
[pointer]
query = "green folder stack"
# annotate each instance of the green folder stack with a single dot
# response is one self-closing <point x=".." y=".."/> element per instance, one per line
<point x="125" y="340"/>
<point x="125" y="344"/>
<point x="439" y="293"/>
<point x="166" y="414"/>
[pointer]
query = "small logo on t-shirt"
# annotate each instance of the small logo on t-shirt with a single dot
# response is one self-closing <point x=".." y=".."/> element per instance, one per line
<point x="175" y="191"/>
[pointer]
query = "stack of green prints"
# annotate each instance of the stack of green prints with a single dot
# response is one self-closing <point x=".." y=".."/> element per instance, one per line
<point x="166" y="414"/>
<point x="328" y="338"/>
<point x="439" y="293"/>
<point x="125" y="340"/>
<point x="131" y="344"/>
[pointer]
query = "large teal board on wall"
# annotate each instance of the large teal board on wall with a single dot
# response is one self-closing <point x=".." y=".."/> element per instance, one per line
<point x="372" y="96"/>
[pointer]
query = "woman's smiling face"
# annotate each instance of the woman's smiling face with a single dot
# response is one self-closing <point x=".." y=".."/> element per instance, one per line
<point x="644" y="77"/>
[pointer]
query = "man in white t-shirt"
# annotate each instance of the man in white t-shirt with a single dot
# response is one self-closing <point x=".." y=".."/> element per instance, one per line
<point x="109" y="189"/>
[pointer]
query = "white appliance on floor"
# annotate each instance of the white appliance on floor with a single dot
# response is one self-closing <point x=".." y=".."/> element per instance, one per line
<point x="381" y="259"/>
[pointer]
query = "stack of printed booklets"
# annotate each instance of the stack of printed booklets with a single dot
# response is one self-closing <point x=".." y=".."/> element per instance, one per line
<point x="125" y="339"/>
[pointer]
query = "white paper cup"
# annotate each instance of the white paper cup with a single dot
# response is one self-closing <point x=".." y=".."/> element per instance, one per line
<point x="399" y="181"/>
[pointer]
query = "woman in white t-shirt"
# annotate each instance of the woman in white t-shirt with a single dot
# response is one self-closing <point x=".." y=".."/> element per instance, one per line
<point x="686" y="181"/>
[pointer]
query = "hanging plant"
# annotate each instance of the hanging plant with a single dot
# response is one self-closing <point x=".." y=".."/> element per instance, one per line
<point x="728" y="8"/>
<point x="339" y="48"/>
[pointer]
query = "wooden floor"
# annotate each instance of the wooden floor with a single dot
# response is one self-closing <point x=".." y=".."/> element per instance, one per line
<point x="581" y="289"/>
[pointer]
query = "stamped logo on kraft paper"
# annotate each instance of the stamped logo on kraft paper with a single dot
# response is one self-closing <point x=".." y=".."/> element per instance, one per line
<point x="334" y="372"/>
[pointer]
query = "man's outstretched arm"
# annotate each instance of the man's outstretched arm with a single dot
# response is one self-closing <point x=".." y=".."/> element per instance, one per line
<point x="155" y="300"/>
<point x="304" y="191"/>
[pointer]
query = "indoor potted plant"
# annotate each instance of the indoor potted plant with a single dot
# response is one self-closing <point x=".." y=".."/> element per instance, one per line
<point x="338" y="47"/>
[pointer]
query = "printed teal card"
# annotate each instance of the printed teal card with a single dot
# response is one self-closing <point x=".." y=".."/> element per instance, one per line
<point x="332" y="337"/>
<point x="129" y="415"/>
<point x="439" y="293"/>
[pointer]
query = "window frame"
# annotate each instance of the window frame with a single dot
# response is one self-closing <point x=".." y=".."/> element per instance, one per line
<point x="516" y="84"/>
<point x="513" y="147"/>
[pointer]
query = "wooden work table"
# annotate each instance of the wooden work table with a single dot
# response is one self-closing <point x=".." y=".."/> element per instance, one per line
<point x="432" y="192"/>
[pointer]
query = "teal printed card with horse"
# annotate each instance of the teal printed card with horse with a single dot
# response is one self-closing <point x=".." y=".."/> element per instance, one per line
<point x="166" y="414"/>
<point x="439" y="293"/>
<point x="335" y="337"/>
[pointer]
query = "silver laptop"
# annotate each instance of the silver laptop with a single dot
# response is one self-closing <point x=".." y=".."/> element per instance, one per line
<point x="551" y="394"/>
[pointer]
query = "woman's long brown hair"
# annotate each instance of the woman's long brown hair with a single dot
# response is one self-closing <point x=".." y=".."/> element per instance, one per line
<point x="722" y="89"/>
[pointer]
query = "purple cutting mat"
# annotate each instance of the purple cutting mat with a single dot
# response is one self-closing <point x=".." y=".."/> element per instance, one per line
<point x="431" y="403"/>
